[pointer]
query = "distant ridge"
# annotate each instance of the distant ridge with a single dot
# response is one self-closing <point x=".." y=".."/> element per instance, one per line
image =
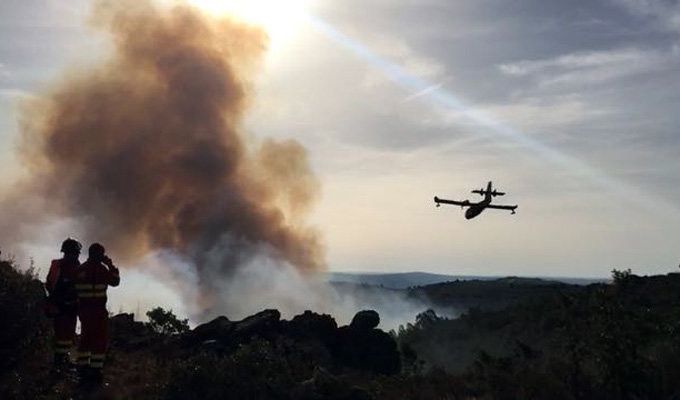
<point x="403" y="280"/>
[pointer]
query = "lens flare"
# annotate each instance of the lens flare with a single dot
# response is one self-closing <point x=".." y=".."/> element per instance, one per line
<point x="280" y="18"/>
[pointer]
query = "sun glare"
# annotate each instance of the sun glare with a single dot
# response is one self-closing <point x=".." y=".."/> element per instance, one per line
<point x="280" y="18"/>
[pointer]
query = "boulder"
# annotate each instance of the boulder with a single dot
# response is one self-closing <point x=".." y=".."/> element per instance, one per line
<point x="365" y="320"/>
<point x="357" y="346"/>
<point x="263" y="324"/>
<point x="361" y="346"/>
<point x="312" y="325"/>
<point x="216" y="331"/>
<point x="218" y="328"/>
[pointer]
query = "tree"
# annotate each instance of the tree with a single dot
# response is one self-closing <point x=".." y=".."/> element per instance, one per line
<point x="165" y="322"/>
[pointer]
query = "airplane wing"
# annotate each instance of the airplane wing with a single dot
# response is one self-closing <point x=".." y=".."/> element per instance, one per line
<point x="511" y="208"/>
<point x="438" y="201"/>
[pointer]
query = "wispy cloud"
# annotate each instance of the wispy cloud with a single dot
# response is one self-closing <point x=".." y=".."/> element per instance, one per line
<point x="667" y="12"/>
<point x="543" y="114"/>
<point x="593" y="66"/>
<point x="406" y="56"/>
<point x="572" y="61"/>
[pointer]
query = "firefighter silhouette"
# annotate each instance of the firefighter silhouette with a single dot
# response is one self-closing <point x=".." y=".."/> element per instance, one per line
<point x="61" y="303"/>
<point x="92" y="279"/>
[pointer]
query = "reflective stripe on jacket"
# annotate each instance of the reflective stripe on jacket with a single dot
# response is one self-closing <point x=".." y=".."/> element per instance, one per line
<point x="92" y="280"/>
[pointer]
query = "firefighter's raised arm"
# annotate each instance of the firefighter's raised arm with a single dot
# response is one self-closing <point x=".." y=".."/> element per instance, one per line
<point x="114" y="274"/>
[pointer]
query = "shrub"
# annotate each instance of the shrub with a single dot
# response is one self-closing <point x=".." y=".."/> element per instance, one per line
<point x="165" y="322"/>
<point x="25" y="333"/>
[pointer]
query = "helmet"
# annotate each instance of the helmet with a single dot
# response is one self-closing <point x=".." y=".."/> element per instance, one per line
<point x="96" y="250"/>
<point x="71" y="246"/>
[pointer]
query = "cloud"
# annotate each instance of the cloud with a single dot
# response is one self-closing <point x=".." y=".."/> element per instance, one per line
<point x="400" y="53"/>
<point x="574" y="60"/>
<point x="667" y="12"/>
<point x="547" y="113"/>
<point x="592" y="66"/>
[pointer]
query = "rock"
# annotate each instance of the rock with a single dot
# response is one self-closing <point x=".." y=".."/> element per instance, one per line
<point x="263" y="324"/>
<point x="365" y="320"/>
<point x="361" y="346"/>
<point x="219" y="328"/>
<point x="312" y="325"/>
<point x="357" y="346"/>
<point x="218" y="332"/>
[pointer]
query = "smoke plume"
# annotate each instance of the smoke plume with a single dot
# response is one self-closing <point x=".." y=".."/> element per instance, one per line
<point x="146" y="152"/>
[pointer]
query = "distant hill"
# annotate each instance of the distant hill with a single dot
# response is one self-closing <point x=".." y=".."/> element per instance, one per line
<point x="490" y="294"/>
<point x="403" y="280"/>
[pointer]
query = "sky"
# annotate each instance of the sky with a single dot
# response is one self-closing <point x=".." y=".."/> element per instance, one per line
<point x="569" y="107"/>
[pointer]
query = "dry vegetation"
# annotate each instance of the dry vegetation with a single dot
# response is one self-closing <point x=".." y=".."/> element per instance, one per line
<point x="617" y="341"/>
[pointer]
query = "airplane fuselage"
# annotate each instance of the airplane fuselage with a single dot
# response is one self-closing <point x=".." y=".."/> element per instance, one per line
<point x="476" y="209"/>
<point x="473" y="211"/>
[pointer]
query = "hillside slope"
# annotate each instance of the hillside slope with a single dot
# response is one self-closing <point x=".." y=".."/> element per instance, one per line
<point x="617" y="341"/>
<point x="552" y="341"/>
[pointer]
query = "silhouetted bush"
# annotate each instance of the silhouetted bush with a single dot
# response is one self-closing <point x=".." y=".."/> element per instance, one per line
<point x="25" y="331"/>
<point x="258" y="370"/>
<point x="165" y="322"/>
<point x="615" y="341"/>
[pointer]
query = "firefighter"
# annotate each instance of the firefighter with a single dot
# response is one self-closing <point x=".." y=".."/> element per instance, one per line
<point x="62" y="300"/>
<point x="92" y="279"/>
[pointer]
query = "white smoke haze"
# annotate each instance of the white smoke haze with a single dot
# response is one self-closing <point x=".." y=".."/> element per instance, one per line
<point x="266" y="283"/>
<point x="164" y="279"/>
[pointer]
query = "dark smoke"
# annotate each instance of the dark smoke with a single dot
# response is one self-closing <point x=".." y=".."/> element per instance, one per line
<point x="146" y="151"/>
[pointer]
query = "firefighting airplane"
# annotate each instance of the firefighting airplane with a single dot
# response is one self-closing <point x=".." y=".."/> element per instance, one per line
<point x="476" y="208"/>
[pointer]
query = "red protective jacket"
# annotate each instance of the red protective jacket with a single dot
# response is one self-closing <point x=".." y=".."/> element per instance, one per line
<point x="60" y="282"/>
<point x="92" y="280"/>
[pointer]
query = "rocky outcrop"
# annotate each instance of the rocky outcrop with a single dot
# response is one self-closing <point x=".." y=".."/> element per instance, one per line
<point x="359" y="345"/>
<point x="264" y="324"/>
<point x="362" y="346"/>
<point x="218" y="329"/>
<point x="365" y="320"/>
